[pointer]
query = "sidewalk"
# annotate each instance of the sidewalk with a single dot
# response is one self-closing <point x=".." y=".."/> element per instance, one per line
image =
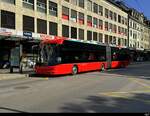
<point x="6" y="75"/>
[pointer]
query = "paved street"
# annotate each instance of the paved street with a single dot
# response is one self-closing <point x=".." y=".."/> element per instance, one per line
<point x="120" y="90"/>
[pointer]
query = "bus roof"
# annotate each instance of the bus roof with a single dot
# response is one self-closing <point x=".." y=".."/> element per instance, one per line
<point x="62" y="40"/>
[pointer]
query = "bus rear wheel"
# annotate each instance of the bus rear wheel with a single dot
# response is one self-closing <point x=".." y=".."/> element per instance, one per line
<point x="74" y="70"/>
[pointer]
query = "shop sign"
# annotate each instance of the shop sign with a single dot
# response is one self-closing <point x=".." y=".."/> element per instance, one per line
<point x="5" y="32"/>
<point x="45" y="37"/>
<point x="27" y="34"/>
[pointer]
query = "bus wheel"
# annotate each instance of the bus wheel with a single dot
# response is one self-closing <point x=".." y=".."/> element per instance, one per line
<point x="74" y="70"/>
<point x="103" y="67"/>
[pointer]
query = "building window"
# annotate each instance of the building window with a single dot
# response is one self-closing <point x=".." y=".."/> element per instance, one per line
<point x="106" y="12"/>
<point x="67" y="0"/>
<point x="89" y="21"/>
<point x="53" y="28"/>
<point x="115" y="29"/>
<point x="81" y="3"/>
<point x="100" y="10"/>
<point x="106" y="26"/>
<point x="119" y="18"/>
<point x="74" y="2"/>
<point x="119" y="30"/>
<point x="95" y="22"/>
<point x="28" y="23"/>
<point x="95" y="36"/>
<point x="65" y="13"/>
<point x="28" y="4"/>
<point x="65" y="31"/>
<point x="73" y="15"/>
<point x="126" y="32"/>
<point x="9" y="1"/>
<point x="41" y="26"/>
<point x="95" y="8"/>
<point x="52" y="8"/>
<point x="119" y="41"/>
<point x="114" y="40"/>
<point x="89" y="35"/>
<point x="81" y="34"/>
<point x="110" y="27"/>
<point x="101" y="37"/>
<point x="106" y="39"/>
<point x="73" y="32"/>
<point x="110" y="40"/>
<point x="123" y="22"/>
<point x="81" y="18"/>
<point x="111" y="15"/>
<point x="8" y="19"/>
<point x="126" y="21"/>
<point x="41" y="6"/>
<point x="131" y="33"/>
<point x="89" y="5"/>
<point x="100" y="24"/>
<point x="115" y="17"/>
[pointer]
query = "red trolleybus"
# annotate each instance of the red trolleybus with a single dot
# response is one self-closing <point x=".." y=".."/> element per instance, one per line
<point x="66" y="56"/>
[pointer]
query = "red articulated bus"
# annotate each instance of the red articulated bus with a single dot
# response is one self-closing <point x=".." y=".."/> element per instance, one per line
<point x="66" y="56"/>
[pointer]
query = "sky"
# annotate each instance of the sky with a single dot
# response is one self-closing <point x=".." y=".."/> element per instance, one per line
<point x="141" y="5"/>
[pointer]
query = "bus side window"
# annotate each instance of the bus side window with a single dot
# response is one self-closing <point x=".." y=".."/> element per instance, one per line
<point x="91" y="56"/>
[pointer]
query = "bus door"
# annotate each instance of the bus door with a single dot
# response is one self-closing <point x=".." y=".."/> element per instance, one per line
<point x="108" y="56"/>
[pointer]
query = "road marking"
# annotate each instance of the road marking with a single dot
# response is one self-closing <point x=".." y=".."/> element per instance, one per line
<point x="139" y="82"/>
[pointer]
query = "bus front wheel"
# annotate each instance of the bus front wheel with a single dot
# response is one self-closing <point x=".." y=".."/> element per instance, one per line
<point x="74" y="70"/>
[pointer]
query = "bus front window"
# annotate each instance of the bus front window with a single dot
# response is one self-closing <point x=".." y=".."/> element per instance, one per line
<point x="48" y="54"/>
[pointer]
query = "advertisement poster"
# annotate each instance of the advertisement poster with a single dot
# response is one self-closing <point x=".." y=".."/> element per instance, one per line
<point x="15" y="57"/>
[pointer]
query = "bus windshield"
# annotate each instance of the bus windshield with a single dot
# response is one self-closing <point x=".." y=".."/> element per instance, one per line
<point x="48" y="54"/>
